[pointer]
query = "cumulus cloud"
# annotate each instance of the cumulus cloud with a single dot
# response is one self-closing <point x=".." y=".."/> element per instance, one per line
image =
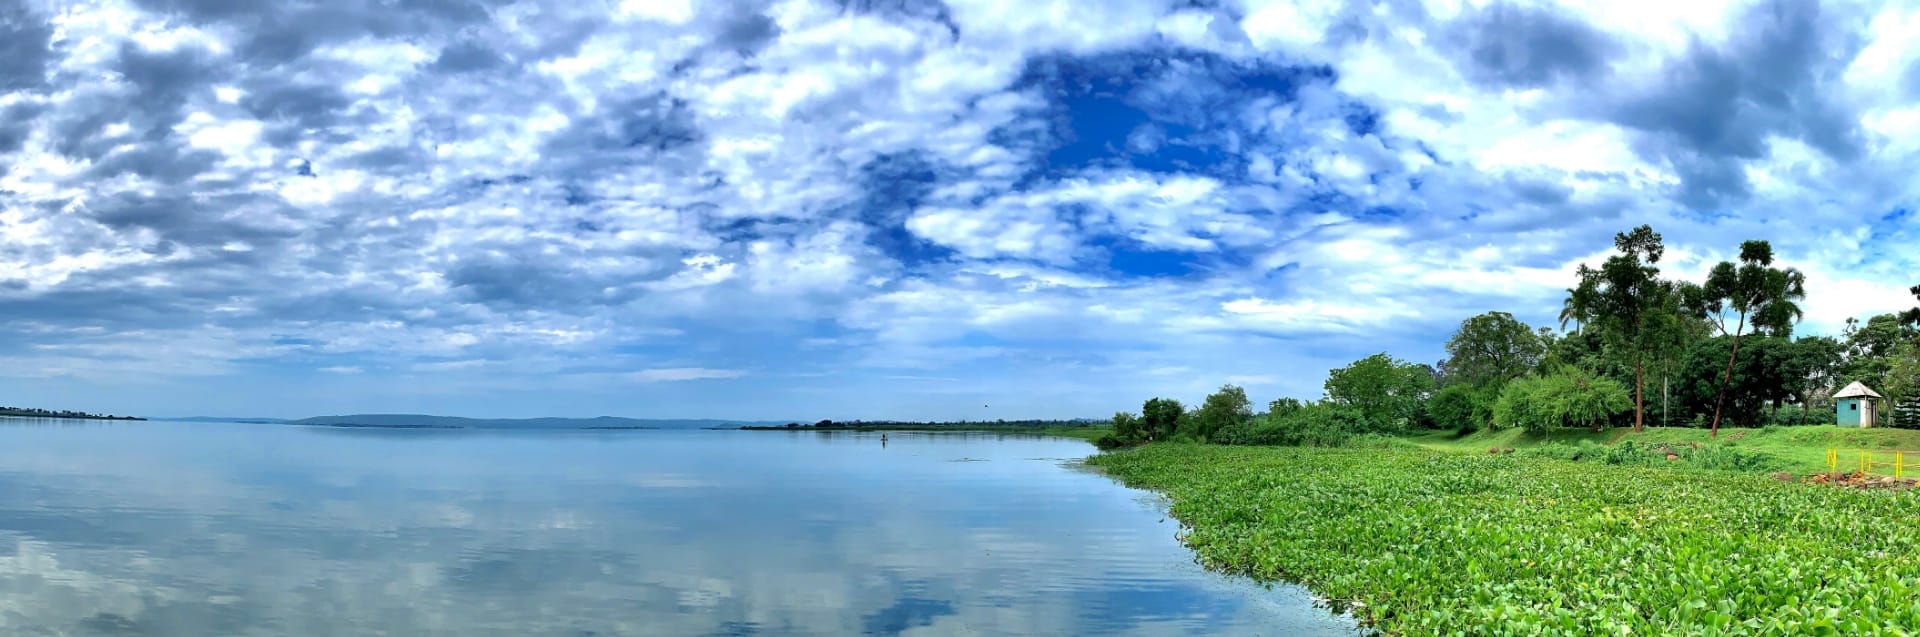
<point x="525" y="207"/>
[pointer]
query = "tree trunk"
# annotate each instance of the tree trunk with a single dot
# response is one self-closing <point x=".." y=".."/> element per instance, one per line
<point x="1725" y="381"/>
<point x="1639" y="402"/>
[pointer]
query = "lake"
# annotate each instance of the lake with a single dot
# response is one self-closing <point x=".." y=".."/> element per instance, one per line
<point x="153" y="528"/>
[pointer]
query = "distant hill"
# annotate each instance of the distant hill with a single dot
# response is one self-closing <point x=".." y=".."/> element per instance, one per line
<point x="421" y="421"/>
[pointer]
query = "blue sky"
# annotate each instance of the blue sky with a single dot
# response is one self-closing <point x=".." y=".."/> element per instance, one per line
<point x="891" y="209"/>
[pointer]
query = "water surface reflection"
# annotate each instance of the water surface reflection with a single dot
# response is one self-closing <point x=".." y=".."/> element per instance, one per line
<point x="197" y="529"/>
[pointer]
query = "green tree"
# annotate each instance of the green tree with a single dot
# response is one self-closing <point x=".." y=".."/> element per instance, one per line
<point x="1768" y="373"/>
<point x="1160" y="417"/>
<point x="1225" y="408"/>
<point x="1632" y="308"/>
<point x="1753" y="291"/>
<point x="1903" y="383"/>
<point x="1389" y="391"/>
<point x="1127" y="427"/>
<point x="1870" y="346"/>
<point x="1455" y="408"/>
<point x="1569" y="397"/>
<point x="1823" y="361"/>
<point x="1321" y="424"/>
<point x="1284" y="406"/>
<point x="1912" y="317"/>
<point x="1493" y="348"/>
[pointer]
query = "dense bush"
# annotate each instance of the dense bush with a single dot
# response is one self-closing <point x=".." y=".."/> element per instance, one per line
<point x="1463" y="408"/>
<point x="1313" y="425"/>
<point x="1570" y="397"/>
<point x="1225" y="408"/>
<point x="1388" y="391"/>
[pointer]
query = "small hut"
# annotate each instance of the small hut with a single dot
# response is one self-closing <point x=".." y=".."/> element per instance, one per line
<point x="1856" y="406"/>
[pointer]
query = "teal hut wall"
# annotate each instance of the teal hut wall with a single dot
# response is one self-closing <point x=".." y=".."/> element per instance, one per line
<point x="1847" y="411"/>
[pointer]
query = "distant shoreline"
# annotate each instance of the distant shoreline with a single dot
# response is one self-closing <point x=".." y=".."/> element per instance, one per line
<point x="14" y="413"/>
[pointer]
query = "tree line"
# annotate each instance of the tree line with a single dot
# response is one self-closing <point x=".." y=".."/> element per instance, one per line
<point x="34" y="412"/>
<point x="1631" y="347"/>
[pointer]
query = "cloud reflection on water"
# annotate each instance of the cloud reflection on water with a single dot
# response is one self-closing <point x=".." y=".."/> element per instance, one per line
<point x="160" y="529"/>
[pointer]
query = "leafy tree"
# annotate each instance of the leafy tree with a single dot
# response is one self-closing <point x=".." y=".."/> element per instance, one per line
<point x="1631" y="307"/>
<point x="1752" y="291"/>
<point x="1458" y="408"/>
<point x="1160" y="417"/>
<point x="1493" y="348"/>
<point x="1912" y="317"/>
<point x="1568" y="397"/>
<point x="1870" y="346"/>
<point x="1222" y="409"/>
<point x="1284" y="406"/>
<point x="1823" y="361"/>
<point x="1769" y="372"/>
<point x="1903" y="383"/>
<point x="1384" y="389"/>
<point x="1322" y="424"/>
<point x="1128" y="427"/>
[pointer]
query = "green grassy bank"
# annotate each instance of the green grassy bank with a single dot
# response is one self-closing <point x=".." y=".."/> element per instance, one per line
<point x="1434" y="543"/>
<point x="1797" y="449"/>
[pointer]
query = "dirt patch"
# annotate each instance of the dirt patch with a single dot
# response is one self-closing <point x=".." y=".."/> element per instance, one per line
<point x="1858" y="480"/>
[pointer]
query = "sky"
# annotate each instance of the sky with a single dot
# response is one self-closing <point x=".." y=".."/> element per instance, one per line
<point x="969" y="209"/>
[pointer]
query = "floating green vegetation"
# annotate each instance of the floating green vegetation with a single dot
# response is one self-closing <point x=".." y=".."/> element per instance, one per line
<point x="1430" y="543"/>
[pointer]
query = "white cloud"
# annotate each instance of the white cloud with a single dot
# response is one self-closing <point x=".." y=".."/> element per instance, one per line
<point x="675" y="374"/>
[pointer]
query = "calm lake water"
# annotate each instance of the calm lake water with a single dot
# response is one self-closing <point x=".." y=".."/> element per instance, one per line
<point x="213" y="529"/>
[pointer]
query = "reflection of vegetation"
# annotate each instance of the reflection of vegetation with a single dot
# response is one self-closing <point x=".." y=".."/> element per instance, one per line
<point x="29" y="412"/>
<point x="1519" y="545"/>
<point x="1081" y="429"/>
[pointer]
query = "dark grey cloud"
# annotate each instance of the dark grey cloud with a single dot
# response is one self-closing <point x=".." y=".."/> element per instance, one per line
<point x="468" y="56"/>
<point x="26" y="42"/>
<point x="1504" y="44"/>
<point x="533" y="275"/>
<point x="294" y="108"/>
<point x="655" y="130"/>
<point x="1716" y="107"/>
<point x="193" y="220"/>
<point x="278" y="33"/>
<point x="158" y="86"/>
<point x="746" y="33"/>
<point x="16" y="124"/>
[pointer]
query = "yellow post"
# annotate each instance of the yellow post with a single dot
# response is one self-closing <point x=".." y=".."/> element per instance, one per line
<point x="1899" y="459"/>
<point x="1863" y="463"/>
<point x="1833" y="460"/>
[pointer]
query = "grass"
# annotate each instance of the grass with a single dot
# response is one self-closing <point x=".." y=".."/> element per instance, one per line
<point x="1798" y="449"/>
<point x="1436" y="543"/>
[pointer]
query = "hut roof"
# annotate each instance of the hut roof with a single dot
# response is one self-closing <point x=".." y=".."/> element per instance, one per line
<point x="1856" y="390"/>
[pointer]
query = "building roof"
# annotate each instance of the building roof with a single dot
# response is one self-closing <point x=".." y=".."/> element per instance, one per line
<point x="1856" y="390"/>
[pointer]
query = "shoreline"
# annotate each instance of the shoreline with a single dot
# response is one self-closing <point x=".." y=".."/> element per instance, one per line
<point x="72" y="417"/>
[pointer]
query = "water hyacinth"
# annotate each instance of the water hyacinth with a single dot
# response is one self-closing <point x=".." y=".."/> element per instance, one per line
<point x="1442" y="544"/>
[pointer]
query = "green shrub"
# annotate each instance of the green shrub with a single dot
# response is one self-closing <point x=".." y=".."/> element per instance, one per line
<point x="1570" y="397"/>
<point x="1109" y="442"/>
<point x="1453" y="408"/>
<point x="1313" y="425"/>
